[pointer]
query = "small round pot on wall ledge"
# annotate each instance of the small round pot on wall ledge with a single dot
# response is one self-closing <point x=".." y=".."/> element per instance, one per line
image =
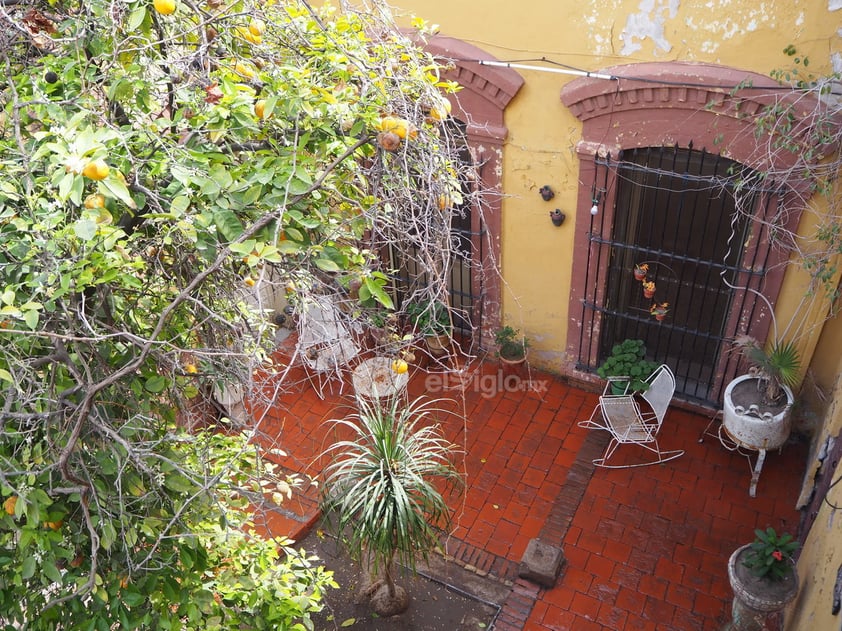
<point x="746" y="422"/>
<point x="756" y="598"/>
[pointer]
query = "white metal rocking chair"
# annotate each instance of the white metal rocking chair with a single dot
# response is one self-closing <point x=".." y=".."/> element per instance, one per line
<point x="628" y="423"/>
<point x="324" y="343"/>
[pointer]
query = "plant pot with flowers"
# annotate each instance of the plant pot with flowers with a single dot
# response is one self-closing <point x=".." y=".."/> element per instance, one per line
<point x="757" y="406"/>
<point x="648" y="288"/>
<point x="659" y="310"/>
<point x="763" y="577"/>
<point x="640" y="271"/>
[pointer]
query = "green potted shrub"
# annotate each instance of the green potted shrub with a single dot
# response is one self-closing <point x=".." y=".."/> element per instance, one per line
<point x="627" y="367"/>
<point x="431" y="320"/>
<point x="511" y="345"/>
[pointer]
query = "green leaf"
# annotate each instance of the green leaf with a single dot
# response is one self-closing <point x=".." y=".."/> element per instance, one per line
<point x="348" y="622"/>
<point x="49" y="569"/>
<point x="155" y="384"/>
<point x="327" y="265"/>
<point x="228" y="224"/>
<point x="28" y="567"/>
<point x="136" y="18"/>
<point x="5" y="375"/>
<point x="31" y="319"/>
<point x="114" y="185"/>
<point x="85" y="229"/>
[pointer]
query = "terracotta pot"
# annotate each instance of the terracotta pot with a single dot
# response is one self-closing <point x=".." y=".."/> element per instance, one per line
<point x="755" y="598"/>
<point x="437" y="344"/>
<point x="639" y="274"/>
<point x="648" y="293"/>
<point x="659" y="316"/>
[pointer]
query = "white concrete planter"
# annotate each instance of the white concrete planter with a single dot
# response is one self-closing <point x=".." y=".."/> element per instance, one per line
<point x="750" y="426"/>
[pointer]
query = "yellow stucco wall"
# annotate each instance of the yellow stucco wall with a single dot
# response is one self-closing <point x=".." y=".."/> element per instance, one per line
<point x="536" y="256"/>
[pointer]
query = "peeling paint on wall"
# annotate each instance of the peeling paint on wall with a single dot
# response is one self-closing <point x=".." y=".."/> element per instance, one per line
<point x="648" y="23"/>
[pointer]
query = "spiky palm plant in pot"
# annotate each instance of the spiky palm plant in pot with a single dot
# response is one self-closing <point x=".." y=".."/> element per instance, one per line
<point x="380" y="490"/>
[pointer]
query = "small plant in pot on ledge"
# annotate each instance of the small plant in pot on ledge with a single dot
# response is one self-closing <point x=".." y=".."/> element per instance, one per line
<point x="627" y="367"/>
<point x="511" y="345"/>
<point x="763" y="577"/>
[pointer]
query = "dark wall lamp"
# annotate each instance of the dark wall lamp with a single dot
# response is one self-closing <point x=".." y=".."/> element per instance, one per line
<point x="557" y="217"/>
<point x="546" y="192"/>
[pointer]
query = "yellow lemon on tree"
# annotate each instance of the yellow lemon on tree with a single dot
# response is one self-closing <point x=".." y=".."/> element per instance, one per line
<point x="257" y="27"/>
<point x="96" y="170"/>
<point x="249" y="281"/>
<point x="399" y="366"/>
<point x="243" y="70"/>
<point x="164" y="7"/>
<point x="191" y="369"/>
<point x="250" y="36"/>
<point x="260" y="108"/>
<point x="94" y="201"/>
<point x="441" y="110"/>
<point x="400" y="126"/>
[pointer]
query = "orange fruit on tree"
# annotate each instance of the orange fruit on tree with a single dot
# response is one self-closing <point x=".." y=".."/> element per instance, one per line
<point x="388" y="140"/>
<point x="399" y="366"/>
<point x="164" y="7"/>
<point x="260" y="108"/>
<point x="96" y="170"/>
<point x="9" y="505"/>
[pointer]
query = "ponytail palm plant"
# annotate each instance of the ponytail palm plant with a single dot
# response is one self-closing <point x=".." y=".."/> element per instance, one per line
<point x="381" y="490"/>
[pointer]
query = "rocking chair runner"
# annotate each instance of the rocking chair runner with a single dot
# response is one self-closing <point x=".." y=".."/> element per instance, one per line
<point x="628" y="423"/>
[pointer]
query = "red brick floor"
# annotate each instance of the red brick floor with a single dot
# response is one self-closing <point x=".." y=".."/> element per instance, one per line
<point x="645" y="548"/>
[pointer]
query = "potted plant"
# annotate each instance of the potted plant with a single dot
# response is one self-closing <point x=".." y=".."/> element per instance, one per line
<point x="384" y="490"/>
<point x="640" y="271"/>
<point x="757" y="406"/>
<point x="659" y="310"/>
<point x="511" y="345"/>
<point x="432" y="321"/>
<point x="763" y="577"/>
<point x="648" y="288"/>
<point x="627" y="367"/>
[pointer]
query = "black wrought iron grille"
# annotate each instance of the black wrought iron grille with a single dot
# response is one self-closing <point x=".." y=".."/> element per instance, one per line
<point x="464" y="273"/>
<point x="674" y="210"/>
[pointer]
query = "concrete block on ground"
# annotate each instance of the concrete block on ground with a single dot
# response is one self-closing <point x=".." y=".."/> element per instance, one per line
<point x="541" y="563"/>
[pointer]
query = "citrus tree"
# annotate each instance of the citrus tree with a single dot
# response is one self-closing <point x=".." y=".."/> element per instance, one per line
<point x="166" y="165"/>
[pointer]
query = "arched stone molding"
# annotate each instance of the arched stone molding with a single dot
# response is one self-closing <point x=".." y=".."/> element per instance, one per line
<point x="674" y="103"/>
<point x="481" y="105"/>
<point x="663" y="104"/>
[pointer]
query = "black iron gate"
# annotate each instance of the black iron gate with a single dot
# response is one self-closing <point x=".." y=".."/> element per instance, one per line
<point x="674" y="210"/>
